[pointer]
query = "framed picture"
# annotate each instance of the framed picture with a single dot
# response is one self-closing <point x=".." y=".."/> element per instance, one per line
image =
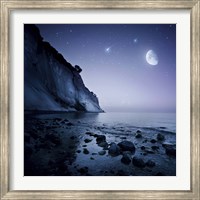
<point x="100" y="99"/>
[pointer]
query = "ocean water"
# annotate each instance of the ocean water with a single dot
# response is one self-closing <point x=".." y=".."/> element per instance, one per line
<point x="61" y="146"/>
<point x="157" y="121"/>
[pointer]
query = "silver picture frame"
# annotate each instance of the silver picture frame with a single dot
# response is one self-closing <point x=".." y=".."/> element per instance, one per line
<point x="7" y="6"/>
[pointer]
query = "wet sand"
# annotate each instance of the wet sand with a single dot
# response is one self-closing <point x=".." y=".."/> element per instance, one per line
<point x="60" y="147"/>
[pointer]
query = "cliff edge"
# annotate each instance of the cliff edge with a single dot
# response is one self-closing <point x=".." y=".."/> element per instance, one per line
<point x="50" y="82"/>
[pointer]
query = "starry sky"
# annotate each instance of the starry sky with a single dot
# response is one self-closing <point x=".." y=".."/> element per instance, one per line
<point x="114" y="62"/>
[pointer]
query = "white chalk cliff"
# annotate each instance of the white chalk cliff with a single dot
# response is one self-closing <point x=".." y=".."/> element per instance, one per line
<point x="50" y="82"/>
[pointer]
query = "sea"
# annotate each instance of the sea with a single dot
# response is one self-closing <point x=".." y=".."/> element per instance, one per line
<point x="157" y="121"/>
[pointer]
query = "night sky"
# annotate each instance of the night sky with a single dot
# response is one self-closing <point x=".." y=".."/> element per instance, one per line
<point x="114" y="63"/>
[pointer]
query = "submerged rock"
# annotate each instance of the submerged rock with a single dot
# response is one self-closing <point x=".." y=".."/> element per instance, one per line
<point x="170" y="151"/>
<point x="104" y="145"/>
<point x="69" y="124"/>
<point x="150" y="163"/>
<point x="153" y="141"/>
<point x="83" y="170"/>
<point x="85" y="151"/>
<point x="103" y="152"/>
<point x="114" y="149"/>
<point x="148" y="150"/>
<point x="142" y="147"/>
<point x="87" y="140"/>
<point x="127" y="146"/>
<point x="90" y="134"/>
<point x="160" y="137"/>
<point x="126" y="159"/>
<point x="155" y="148"/>
<point x="138" y="162"/>
<point x="138" y="135"/>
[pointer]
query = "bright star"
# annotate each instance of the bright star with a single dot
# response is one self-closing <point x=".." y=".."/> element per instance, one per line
<point x="108" y="50"/>
<point x="135" y="40"/>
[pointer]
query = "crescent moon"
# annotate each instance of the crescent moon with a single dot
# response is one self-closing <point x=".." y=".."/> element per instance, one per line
<point x="151" y="57"/>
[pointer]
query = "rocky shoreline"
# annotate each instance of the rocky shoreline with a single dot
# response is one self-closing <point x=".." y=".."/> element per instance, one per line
<point x="60" y="147"/>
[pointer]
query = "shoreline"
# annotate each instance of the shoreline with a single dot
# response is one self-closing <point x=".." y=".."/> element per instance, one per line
<point x="61" y="147"/>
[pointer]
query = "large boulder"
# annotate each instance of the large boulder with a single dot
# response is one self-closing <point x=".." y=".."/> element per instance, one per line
<point x="114" y="149"/>
<point x="100" y="139"/>
<point x="127" y="146"/>
<point x="138" y="162"/>
<point x="170" y="149"/>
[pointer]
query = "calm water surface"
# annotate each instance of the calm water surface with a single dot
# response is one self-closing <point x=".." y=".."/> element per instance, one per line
<point x="166" y="121"/>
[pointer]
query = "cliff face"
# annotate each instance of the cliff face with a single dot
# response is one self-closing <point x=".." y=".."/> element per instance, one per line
<point x="50" y="82"/>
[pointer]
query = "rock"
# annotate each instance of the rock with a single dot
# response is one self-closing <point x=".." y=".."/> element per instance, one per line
<point x="123" y="138"/>
<point x="58" y="119"/>
<point x="78" y="151"/>
<point x="84" y="145"/>
<point x="90" y="134"/>
<point x="103" y="144"/>
<point x="91" y="158"/>
<point x="148" y="150"/>
<point x="150" y="163"/>
<point x="72" y="137"/>
<point x="127" y="146"/>
<point x="69" y="124"/>
<point x="142" y="147"/>
<point x="138" y="131"/>
<point x="138" y="162"/>
<point x="126" y="159"/>
<point x="83" y="170"/>
<point x="85" y="151"/>
<point x="170" y="151"/>
<point x="160" y="137"/>
<point x="153" y="141"/>
<point x="162" y="127"/>
<point x="138" y="135"/>
<point x="100" y="138"/>
<point x="114" y="149"/>
<point x="155" y="148"/>
<point x="87" y="140"/>
<point x="94" y="154"/>
<point x="166" y="144"/>
<point x="101" y="153"/>
<point x="145" y="141"/>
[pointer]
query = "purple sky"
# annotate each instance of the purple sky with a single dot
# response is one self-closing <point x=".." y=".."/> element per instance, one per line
<point x="113" y="59"/>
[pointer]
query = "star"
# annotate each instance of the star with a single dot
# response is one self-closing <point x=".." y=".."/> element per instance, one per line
<point x="135" y="40"/>
<point x="108" y="50"/>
